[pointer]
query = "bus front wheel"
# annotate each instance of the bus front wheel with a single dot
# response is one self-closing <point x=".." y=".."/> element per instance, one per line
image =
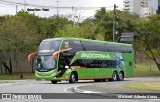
<point x="72" y="78"/>
<point x="114" y="77"/>
<point x="97" y="80"/>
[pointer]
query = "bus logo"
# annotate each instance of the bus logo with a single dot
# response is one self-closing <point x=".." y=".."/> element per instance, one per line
<point x="66" y="44"/>
<point x="93" y="55"/>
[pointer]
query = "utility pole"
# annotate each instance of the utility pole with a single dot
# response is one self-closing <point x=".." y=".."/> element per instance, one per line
<point x="16" y="8"/>
<point x="57" y="8"/>
<point x="24" y="5"/>
<point x="114" y="22"/>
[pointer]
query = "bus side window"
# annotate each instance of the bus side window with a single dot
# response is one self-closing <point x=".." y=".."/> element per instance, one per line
<point x="130" y="63"/>
<point x="110" y="64"/>
<point x="91" y="46"/>
<point x="114" y="64"/>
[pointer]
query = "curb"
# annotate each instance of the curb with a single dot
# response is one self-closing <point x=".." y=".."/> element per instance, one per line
<point x="7" y="83"/>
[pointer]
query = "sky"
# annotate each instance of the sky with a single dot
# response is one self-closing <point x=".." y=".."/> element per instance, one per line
<point x="10" y="8"/>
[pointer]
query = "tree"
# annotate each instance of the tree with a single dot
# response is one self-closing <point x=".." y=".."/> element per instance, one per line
<point x="125" y="22"/>
<point x="48" y="27"/>
<point x="18" y="34"/>
<point x="82" y="30"/>
<point x="104" y="23"/>
<point x="147" y="38"/>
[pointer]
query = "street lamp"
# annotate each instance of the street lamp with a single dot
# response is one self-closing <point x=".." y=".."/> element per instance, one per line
<point x="123" y="37"/>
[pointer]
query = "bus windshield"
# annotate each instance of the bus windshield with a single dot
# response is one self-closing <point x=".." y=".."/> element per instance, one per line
<point x="45" y="63"/>
<point x="49" y="46"/>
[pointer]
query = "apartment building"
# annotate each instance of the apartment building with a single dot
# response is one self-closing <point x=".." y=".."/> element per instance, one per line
<point x="143" y="8"/>
<point x="155" y="4"/>
<point x="134" y="6"/>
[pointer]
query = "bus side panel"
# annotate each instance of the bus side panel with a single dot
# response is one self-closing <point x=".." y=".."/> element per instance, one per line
<point x="94" y="73"/>
<point x="129" y="65"/>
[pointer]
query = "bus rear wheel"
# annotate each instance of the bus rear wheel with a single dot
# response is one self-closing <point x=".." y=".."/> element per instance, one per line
<point x="114" y="77"/>
<point x="53" y="82"/>
<point x="72" y="78"/>
<point x="121" y="76"/>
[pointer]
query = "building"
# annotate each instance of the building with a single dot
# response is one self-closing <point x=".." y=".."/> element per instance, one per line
<point x="152" y="8"/>
<point x="143" y="8"/>
<point x="146" y="11"/>
<point x="134" y="6"/>
<point x="155" y="5"/>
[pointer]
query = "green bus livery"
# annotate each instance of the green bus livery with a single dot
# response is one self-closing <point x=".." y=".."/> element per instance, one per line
<point x="74" y="59"/>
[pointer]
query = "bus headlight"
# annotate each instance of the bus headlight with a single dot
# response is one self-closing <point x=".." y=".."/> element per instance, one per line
<point x="53" y="74"/>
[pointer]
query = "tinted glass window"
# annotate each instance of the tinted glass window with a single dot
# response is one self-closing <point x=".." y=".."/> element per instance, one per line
<point x="67" y="56"/>
<point x="95" y="63"/>
<point x="75" y="45"/>
<point x="44" y="63"/>
<point x="119" y="48"/>
<point x="90" y="46"/>
<point x="49" y="45"/>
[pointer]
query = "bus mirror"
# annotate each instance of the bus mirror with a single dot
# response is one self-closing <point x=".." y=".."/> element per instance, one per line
<point x="57" y="52"/>
<point x="30" y="55"/>
<point x="66" y="67"/>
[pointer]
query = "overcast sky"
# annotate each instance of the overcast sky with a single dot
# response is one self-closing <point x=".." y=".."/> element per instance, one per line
<point x="8" y="8"/>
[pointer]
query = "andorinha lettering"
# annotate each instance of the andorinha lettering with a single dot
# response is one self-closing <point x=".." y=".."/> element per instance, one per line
<point x="92" y="55"/>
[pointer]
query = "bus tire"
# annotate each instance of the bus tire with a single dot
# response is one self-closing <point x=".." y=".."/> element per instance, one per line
<point x="53" y="82"/>
<point x="103" y="80"/>
<point x="72" y="78"/>
<point x="97" y="80"/>
<point x="114" y="76"/>
<point x="121" y="76"/>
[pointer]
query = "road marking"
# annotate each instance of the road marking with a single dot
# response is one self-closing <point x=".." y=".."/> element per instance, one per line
<point x="65" y="90"/>
<point x="76" y="90"/>
<point x="84" y="91"/>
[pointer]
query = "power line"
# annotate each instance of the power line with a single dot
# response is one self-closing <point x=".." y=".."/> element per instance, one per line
<point x="51" y="7"/>
<point x="17" y="3"/>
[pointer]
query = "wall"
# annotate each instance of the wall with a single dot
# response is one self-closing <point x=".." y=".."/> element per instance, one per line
<point x="21" y="65"/>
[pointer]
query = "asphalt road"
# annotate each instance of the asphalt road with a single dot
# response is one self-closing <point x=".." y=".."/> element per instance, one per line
<point x="60" y="90"/>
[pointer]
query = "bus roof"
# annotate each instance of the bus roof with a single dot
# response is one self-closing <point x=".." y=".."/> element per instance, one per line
<point x="52" y="39"/>
<point x="87" y="40"/>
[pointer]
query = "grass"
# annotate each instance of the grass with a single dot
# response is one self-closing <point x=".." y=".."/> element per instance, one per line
<point x="149" y="86"/>
<point x="6" y="82"/>
<point x="148" y="69"/>
<point x="16" y="76"/>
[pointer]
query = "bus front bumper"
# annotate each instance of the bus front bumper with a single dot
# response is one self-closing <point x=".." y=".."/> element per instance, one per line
<point x="48" y="76"/>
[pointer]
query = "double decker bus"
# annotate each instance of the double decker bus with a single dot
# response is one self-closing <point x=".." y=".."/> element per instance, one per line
<point x="74" y="59"/>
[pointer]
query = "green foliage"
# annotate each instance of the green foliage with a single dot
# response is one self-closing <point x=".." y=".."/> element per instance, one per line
<point x="147" y="40"/>
<point x="124" y="22"/>
<point x="48" y="28"/>
<point x="18" y="33"/>
<point x="84" y="30"/>
<point x="148" y="86"/>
